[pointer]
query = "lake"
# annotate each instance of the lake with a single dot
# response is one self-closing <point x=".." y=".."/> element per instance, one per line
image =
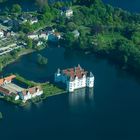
<point x="130" y="5"/>
<point x="110" y="112"/>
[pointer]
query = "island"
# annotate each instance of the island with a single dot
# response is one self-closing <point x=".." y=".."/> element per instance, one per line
<point x="1" y="116"/>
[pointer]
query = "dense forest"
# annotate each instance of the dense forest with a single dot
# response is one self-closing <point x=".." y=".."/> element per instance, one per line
<point x="107" y="31"/>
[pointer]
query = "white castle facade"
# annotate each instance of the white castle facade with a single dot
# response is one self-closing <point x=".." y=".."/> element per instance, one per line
<point x="75" y="78"/>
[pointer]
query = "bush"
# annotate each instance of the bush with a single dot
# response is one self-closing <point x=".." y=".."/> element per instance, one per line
<point x="41" y="60"/>
<point x="1" y="115"/>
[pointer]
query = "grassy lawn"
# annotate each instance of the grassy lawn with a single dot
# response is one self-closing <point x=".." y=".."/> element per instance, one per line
<point x="25" y="81"/>
<point x="50" y="89"/>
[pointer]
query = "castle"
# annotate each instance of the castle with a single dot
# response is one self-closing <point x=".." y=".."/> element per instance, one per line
<point x="74" y="78"/>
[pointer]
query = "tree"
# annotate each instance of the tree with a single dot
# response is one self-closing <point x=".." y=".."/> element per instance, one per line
<point x="87" y="2"/>
<point x="123" y="50"/>
<point x="46" y="8"/>
<point x="136" y="37"/>
<point x="29" y="43"/>
<point x="69" y="39"/>
<point x="26" y="27"/>
<point x="41" y="60"/>
<point x="2" y="1"/>
<point x="58" y="4"/>
<point x="14" y="54"/>
<point x="1" y="67"/>
<point x="41" y="3"/>
<point x="71" y="26"/>
<point x="16" y="8"/>
<point x="1" y="115"/>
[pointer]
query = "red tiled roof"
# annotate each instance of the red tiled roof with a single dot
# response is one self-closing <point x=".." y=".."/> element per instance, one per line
<point x="31" y="90"/>
<point x="5" y="91"/>
<point x="9" y="78"/>
<point x="75" y="72"/>
<point x="57" y="33"/>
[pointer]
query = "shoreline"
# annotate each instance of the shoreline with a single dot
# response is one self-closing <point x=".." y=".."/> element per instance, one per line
<point x="49" y="89"/>
<point x="31" y="101"/>
<point x="27" y="51"/>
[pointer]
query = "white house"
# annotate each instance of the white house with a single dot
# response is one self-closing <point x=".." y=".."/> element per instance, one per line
<point x="58" y="35"/>
<point x="54" y="37"/>
<point x="39" y="43"/>
<point x="3" y="84"/>
<point x="7" y="80"/>
<point x="33" y="36"/>
<point x="29" y="93"/>
<point x="68" y="12"/>
<point x="76" y="33"/>
<point x="8" y="88"/>
<point x="1" y="33"/>
<point x="75" y="78"/>
<point x="33" y="20"/>
<point x="43" y="35"/>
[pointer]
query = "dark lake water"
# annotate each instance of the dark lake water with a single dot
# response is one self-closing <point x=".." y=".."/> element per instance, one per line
<point x="130" y="5"/>
<point x="110" y="112"/>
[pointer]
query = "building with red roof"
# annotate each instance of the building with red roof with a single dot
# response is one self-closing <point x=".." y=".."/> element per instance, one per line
<point x="30" y="93"/>
<point x="9" y="88"/>
<point x="7" y="79"/>
<point x="75" y="78"/>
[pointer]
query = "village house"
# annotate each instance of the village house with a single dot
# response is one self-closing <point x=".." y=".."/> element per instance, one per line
<point x="33" y="20"/>
<point x="24" y="16"/>
<point x="36" y="36"/>
<point x="49" y="30"/>
<point x="58" y="35"/>
<point x="76" y="33"/>
<point x="9" y="88"/>
<point x="33" y="36"/>
<point x="4" y="92"/>
<point x="3" y="82"/>
<point x="39" y="43"/>
<point x="6" y="80"/>
<point x="9" y="48"/>
<point x="9" y="33"/>
<point x="43" y="35"/>
<point x="68" y="12"/>
<point x="22" y="21"/>
<point x="54" y="37"/>
<point x="74" y="78"/>
<point x="27" y="17"/>
<point x="30" y="93"/>
<point x="1" y="33"/>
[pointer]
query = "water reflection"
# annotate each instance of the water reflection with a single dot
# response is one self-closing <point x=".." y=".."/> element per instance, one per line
<point x="39" y="104"/>
<point x="27" y="107"/>
<point x="31" y="105"/>
<point x="81" y="100"/>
